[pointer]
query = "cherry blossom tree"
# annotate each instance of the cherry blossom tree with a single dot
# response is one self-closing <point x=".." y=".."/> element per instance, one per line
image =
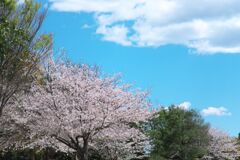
<point x="222" y="146"/>
<point x="78" y="109"/>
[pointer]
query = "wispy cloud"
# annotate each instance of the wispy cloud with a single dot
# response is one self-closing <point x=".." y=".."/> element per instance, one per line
<point x="213" y="111"/>
<point x="118" y="34"/>
<point x="203" y="25"/>
<point x="86" y="26"/>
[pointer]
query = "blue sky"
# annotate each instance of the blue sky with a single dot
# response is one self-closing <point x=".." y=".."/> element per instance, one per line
<point x="180" y="54"/>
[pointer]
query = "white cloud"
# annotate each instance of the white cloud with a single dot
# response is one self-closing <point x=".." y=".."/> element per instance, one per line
<point x="185" y="105"/>
<point x="206" y="26"/>
<point x="117" y="33"/>
<point x="213" y="111"/>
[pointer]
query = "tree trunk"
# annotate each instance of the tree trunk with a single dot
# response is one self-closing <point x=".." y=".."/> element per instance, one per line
<point x="46" y="154"/>
<point x="82" y="154"/>
<point x="32" y="155"/>
<point x="1" y="110"/>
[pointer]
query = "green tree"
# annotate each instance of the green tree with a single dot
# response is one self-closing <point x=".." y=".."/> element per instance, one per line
<point x="178" y="134"/>
<point x="22" y="47"/>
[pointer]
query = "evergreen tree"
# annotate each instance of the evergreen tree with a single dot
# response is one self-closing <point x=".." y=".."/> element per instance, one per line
<point x="178" y="134"/>
<point x="22" y="48"/>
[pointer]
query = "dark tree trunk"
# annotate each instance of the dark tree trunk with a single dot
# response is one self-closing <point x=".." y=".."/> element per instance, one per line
<point x="82" y="154"/>
<point x="32" y="154"/>
<point x="1" y="110"/>
<point x="46" y="154"/>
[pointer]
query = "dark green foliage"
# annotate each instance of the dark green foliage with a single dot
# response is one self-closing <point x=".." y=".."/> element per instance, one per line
<point x="44" y="154"/>
<point x="178" y="134"/>
<point x="22" y="49"/>
<point x="30" y="154"/>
